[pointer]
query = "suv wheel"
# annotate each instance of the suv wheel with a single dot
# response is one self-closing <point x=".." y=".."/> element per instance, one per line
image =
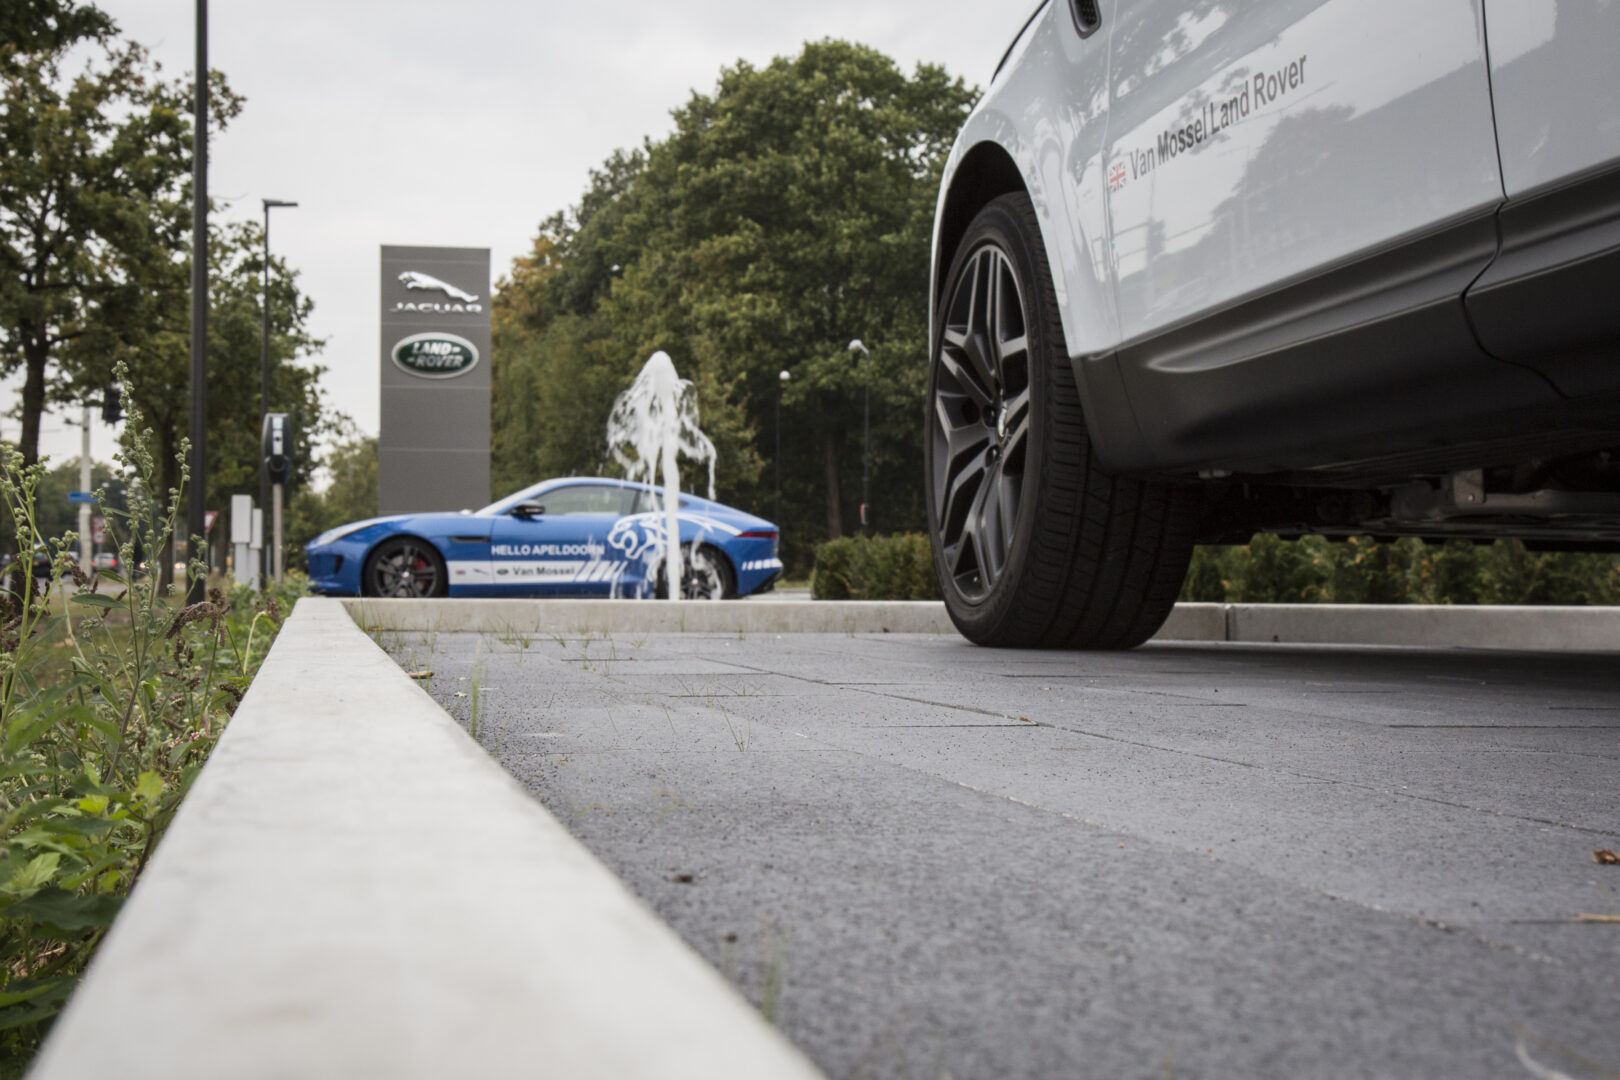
<point x="1034" y="545"/>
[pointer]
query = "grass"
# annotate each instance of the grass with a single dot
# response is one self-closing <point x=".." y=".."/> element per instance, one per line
<point x="475" y="690"/>
<point x="741" y="740"/>
<point x="111" y="699"/>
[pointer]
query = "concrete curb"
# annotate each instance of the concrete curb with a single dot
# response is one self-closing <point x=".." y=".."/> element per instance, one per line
<point x="355" y="889"/>
<point x="655" y="617"/>
<point x="1562" y="629"/>
<point x="1575" y="629"/>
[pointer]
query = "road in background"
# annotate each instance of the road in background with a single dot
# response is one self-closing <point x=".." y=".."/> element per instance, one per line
<point x="926" y="859"/>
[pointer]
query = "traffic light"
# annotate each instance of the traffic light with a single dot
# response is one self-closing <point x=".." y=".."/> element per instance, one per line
<point x="277" y="447"/>
<point x="112" y="405"/>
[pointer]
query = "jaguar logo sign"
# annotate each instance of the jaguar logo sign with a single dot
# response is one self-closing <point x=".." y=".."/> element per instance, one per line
<point x="415" y="279"/>
<point x="456" y="301"/>
<point x="435" y="355"/>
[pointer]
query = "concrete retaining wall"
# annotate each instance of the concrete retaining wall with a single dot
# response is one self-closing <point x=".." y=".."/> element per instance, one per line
<point x="655" y="617"/>
<point x="355" y="889"/>
<point x="1565" y="629"/>
<point x="1581" y="629"/>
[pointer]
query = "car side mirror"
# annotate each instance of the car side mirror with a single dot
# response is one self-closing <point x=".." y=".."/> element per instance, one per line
<point x="528" y="509"/>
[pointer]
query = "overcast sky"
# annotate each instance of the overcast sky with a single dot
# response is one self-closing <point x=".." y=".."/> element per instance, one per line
<point x="464" y="124"/>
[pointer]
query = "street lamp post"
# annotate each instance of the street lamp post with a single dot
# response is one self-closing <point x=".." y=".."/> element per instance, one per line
<point x="264" y="383"/>
<point x="781" y="385"/>
<point x="197" y="511"/>
<point x="866" y="428"/>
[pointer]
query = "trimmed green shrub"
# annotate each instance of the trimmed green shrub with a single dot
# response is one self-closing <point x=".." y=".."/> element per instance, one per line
<point x="897" y="567"/>
<point x="1360" y="570"/>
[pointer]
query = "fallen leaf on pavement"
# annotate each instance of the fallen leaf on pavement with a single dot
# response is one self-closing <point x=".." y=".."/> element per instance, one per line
<point x="1606" y="857"/>
<point x="419" y="674"/>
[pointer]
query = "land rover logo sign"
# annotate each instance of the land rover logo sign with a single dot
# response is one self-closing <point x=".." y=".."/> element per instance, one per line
<point x="435" y="355"/>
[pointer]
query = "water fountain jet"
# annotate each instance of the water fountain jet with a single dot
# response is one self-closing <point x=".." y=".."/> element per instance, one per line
<point x="652" y="423"/>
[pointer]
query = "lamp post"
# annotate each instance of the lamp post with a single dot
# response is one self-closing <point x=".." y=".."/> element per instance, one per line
<point x="264" y="383"/>
<point x="781" y="385"/>
<point x="197" y="511"/>
<point x="866" y="428"/>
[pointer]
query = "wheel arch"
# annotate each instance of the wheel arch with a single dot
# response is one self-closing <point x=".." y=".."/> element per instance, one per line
<point x="985" y="172"/>
<point x="988" y="169"/>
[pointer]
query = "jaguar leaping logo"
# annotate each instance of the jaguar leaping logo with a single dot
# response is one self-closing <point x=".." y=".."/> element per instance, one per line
<point x="415" y="279"/>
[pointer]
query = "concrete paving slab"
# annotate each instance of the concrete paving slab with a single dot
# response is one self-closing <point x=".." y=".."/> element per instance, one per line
<point x="1359" y="871"/>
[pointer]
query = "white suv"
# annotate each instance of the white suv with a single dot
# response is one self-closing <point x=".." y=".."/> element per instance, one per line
<point x="1209" y="267"/>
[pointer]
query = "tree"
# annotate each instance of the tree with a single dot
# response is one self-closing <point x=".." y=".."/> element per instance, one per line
<point x="350" y="493"/>
<point x="94" y="191"/>
<point x="158" y="358"/>
<point x="34" y="26"/>
<point x="154" y="345"/>
<point x="788" y="213"/>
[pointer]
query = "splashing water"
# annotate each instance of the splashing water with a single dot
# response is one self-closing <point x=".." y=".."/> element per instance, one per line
<point x="652" y="423"/>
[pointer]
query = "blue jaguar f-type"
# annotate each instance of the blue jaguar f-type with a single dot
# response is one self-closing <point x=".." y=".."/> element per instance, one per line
<point x="578" y="536"/>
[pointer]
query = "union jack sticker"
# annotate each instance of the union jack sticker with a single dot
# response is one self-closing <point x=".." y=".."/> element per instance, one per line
<point x="1116" y="177"/>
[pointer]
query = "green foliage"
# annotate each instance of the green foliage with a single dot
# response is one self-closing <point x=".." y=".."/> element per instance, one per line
<point x="899" y="567"/>
<point x="95" y="259"/>
<point x="55" y="514"/>
<point x="788" y="213"/>
<point x="110" y="700"/>
<point x="94" y="199"/>
<point x="32" y="26"/>
<point x="1269" y="570"/>
<point x="350" y="495"/>
<point x="159" y="363"/>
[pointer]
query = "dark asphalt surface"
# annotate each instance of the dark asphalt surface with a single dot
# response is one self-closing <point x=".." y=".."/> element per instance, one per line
<point x="924" y="859"/>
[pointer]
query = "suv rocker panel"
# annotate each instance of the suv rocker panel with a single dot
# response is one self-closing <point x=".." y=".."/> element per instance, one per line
<point x="1371" y="358"/>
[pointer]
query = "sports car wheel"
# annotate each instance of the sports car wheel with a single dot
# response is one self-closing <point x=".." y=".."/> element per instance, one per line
<point x="1034" y="545"/>
<point x="404" y="566"/>
<point x="705" y="575"/>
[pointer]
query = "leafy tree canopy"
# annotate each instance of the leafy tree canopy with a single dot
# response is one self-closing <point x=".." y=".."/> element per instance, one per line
<point x="94" y="195"/>
<point x="788" y="213"/>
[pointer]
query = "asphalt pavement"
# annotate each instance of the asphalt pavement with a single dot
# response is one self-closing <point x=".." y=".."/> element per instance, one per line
<point x="925" y="859"/>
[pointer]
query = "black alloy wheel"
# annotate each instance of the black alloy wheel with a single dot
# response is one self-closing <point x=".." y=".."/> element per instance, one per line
<point x="979" y="420"/>
<point x="404" y="566"/>
<point x="1035" y="545"/>
<point x="705" y="575"/>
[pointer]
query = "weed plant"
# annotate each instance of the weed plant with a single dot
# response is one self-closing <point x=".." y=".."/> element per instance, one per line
<point x="110" y="701"/>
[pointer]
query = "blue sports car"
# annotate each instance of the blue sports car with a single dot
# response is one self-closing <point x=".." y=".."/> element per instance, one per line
<point x="578" y="536"/>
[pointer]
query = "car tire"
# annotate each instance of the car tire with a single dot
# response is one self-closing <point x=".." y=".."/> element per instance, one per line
<point x="1035" y="546"/>
<point x="706" y="573"/>
<point x="404" y="566"/>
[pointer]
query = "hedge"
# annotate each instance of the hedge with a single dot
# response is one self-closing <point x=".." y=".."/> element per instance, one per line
<point x="1361" y="570"/>
<point x="897" y="567"/>
<point x="1272" y="570"/>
